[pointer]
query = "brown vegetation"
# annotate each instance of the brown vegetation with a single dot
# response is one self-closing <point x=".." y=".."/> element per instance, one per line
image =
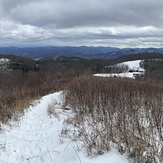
<point x="123" y="113"/>
<point x="18" y="90"/>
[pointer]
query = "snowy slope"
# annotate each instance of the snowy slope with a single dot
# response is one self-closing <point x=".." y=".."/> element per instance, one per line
<point x="3" y="64"/>
<point x="37" y="138"/>
<point x="4" y="60"/>
<point x="132" y="65"/>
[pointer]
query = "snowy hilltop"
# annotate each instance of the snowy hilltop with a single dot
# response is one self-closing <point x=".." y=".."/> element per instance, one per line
<point x="133" y="69"/>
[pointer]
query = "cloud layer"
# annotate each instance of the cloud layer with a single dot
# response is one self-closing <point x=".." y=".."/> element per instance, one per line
<point x="121" y="23"/>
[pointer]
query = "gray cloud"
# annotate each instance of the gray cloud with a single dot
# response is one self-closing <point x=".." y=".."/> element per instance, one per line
<point x="72" y="13"/>
<point x="82" y="22"/>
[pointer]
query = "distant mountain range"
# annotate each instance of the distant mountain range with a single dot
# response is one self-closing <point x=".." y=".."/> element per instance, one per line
<point x="81" y="52"/>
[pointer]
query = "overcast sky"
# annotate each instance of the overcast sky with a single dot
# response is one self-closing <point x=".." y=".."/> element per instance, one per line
<point x="117" y="23"/>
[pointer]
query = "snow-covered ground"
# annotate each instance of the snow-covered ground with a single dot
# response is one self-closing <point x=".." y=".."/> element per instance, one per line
<point x="4" y="60"/>
<point x="3" y="64"/>
<point x="122" y="75"/>
<point x="132" y="65"/>
<point x="37" y="138"/>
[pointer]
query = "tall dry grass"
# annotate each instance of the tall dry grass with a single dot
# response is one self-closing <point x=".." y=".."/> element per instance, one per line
<point x="18" y="90"/>
<point x="123" y="113"/>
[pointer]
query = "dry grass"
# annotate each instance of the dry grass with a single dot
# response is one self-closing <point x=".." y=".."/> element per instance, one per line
<point x="17" y="91"/>
<point x="53" y="110"/>
<point x="123" y="112"/>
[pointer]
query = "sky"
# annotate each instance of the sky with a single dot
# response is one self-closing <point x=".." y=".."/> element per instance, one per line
<point x="114" y="23"/>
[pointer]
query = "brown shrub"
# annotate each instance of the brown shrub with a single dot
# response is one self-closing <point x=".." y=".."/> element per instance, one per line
<point x="125" y="112"/>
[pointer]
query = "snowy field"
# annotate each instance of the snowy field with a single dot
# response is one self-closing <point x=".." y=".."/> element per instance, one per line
<point x="4" y="61"/>
<point x="37" y="138"/>
<point x="122" y="75"/>
<point x="132" y="65"/>
<point x="3" y="64"/>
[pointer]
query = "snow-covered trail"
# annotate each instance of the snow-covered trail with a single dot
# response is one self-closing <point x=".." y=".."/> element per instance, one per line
<point x="32" y="140"/>
<point x="37" y="139"/>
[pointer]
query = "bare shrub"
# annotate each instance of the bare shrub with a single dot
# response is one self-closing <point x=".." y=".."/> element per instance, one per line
<point x="18" y="90"/>
<point x="126" y="112"/>
<point x="52" y="111"/>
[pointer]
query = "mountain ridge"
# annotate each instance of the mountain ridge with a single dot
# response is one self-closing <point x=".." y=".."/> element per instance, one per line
<point x="87" y="52"/>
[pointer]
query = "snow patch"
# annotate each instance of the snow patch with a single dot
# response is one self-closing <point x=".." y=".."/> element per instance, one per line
<point x="4" y="64"/>
<point x="133" y="71"/>
<point x="4" y="61"/>
<point x="122" y="75"/>
<point x="133" y="65"/>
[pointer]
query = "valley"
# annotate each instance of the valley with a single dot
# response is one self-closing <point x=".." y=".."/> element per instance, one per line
<point x="91" y="118"/>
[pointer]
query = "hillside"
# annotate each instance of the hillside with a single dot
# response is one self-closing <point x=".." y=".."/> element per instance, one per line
<point x="76" y="65"/>
<point x="74" y="126"/>
<point x="17" y="63"/>
<point x="128" y="69"/>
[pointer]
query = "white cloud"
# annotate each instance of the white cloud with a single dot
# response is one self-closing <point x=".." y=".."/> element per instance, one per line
<point x="82" y="22"/>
